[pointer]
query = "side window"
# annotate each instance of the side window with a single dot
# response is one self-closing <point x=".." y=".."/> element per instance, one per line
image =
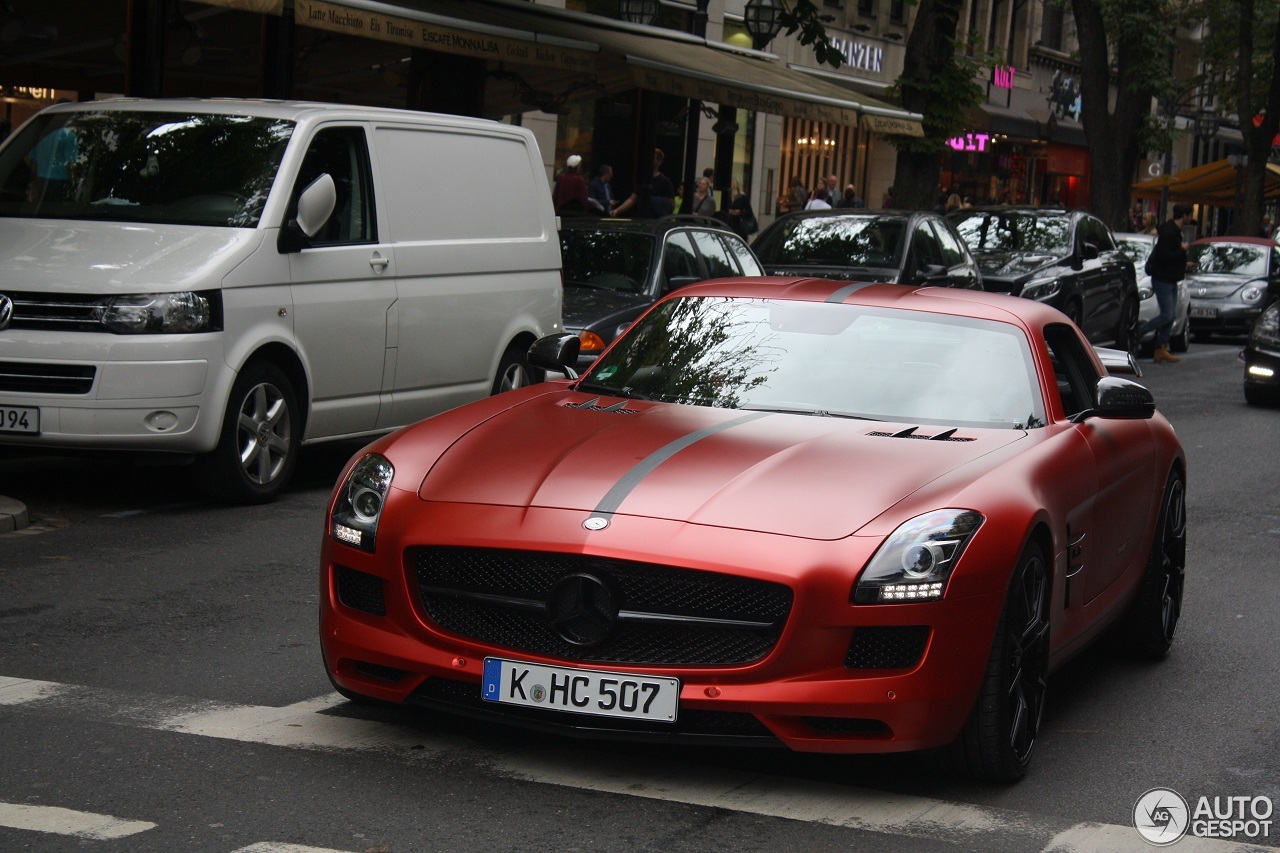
<point x="926" y="248"/>
<point x="1077" y="379"/>
<point x="343" y="154"/>
<point x="952" y="251"/>
<point x="719" y="262"/>
<point x="678" y="259"/>
<point x="746" y="260"/>
<point x="1106" y="242"/>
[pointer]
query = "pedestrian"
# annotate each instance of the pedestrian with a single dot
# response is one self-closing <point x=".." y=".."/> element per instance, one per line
<point x="1136" y="217"/>
<point x="662" y="195"/>
<point x="797" y="195"/>
<point x="953" y="203"/>
<point x="850" y="197"/>
<point x="887" y="199"/>
<point x="600" y="191"/>
<point x="818" y="201"/>
<point x="569" y="195"/>
<point x="1150" y="225"/>
<point x="742" y="219"/>
<point x="834" y="194"/>
<point x="678" y="202"/>
<point x="1167" y="265"/>
<point x="704" y="203"/>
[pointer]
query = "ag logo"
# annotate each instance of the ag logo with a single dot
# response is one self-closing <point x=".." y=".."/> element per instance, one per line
<point x="1161" y="816"/>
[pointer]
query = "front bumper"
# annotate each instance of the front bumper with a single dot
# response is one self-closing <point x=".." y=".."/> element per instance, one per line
<point x="1262" y="370"/>
<point x="1222" y="317"/>
<point x="809" y="692"/>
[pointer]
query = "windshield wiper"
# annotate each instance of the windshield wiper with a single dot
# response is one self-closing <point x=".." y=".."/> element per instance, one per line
<point x="802" y="410"/>
<point x="587" y="285"/>
<point x="629" y="393"/>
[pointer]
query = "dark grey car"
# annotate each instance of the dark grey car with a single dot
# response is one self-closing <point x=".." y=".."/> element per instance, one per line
<point x="1065" y="258"/>
<point x="897" y="246"/>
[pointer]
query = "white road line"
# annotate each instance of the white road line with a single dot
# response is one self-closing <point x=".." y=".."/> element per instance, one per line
<point x="51" y="819"/>
<point x="303" y="726"/>
<point x="273" y="847"/>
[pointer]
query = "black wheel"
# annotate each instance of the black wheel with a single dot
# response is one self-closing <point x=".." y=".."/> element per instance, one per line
<point x="1127" y="328"/>
<point x="514" y="371"/>
<point x="258" y="448"/>
<point x="1150" y="623"/>
<point x="1000" y="735"/>
<point x="1181" y="342"/>
<point x="1255" y="396"/>
<point x="1074" y="312"/>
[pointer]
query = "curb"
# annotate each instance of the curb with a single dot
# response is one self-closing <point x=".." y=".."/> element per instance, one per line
<point x="13" y="515"/>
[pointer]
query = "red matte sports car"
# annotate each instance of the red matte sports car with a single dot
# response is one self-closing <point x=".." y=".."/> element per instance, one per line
<point x="836" y="517"/>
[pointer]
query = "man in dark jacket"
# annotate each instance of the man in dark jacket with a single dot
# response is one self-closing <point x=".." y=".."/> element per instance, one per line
<point x="1167" y="266"/>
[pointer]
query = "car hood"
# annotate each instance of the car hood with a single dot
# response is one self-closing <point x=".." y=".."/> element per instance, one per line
<point x="1013" y="265"/>
<point x="113" y="257"/>
<point x="585" y="305"/>
<point x="889" y="274"/>
<point x="794" y="475"/>
<point x="1215" y="286"/>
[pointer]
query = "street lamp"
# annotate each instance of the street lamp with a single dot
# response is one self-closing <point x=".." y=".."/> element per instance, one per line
<point x="763" y="19"/>
<point x="638" y="11"/>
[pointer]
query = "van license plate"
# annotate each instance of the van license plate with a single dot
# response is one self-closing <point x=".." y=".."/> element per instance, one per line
<point x="23" y="419"/>
<point x="581" y="691"/>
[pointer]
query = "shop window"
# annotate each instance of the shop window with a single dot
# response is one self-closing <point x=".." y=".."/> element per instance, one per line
<point x="898" y="12"/>
<point x="1051" y="28"/>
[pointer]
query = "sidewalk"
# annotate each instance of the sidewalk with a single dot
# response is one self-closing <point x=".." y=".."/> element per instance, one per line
<point x="13" y="515"/>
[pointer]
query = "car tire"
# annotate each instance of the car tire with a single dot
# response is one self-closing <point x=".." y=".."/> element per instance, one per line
<point x="514" y="370"/>
<point x="1127" y="328"/>
<point x="1153" y="617"/>
<point x="258" y="447"/>
<point x="1255" y="396"/>
<point x="1075" y="313"/>
<point x="1181" y="342"/>
<point x="999" y="737"/>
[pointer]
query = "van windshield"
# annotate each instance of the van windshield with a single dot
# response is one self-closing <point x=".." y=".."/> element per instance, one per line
<point x="157" y="167"/>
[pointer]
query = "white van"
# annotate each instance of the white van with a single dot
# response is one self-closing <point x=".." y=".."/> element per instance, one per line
<point x="228" y="280"/>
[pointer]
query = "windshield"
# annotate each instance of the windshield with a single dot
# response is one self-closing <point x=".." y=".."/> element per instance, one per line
<point x="155" y="167"/>
<point x="1231" y="258"/>
<point x="826" y="359"/>
<point x="1135" y="250"/>
<point x="612" y="260"/>
<point x="1023" y="233"/>
<point x="841" y="241"/>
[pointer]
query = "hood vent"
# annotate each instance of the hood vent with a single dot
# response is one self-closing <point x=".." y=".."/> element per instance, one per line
<point x="593" y="405"/>
<point x="910" y="432"/>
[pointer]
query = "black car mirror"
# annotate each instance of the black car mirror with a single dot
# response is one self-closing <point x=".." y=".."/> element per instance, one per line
<point x="1120" y="398"/>
<point x="1089" y="251"/>
<point x="930" y="273"/>
<point x="556" y="353"/>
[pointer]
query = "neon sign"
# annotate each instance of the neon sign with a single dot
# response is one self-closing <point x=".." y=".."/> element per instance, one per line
<point x="970" y="142"/>
<point x="1002" y="76"/>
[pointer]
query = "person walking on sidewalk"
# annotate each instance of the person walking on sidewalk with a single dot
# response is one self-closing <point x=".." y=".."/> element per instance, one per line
<point x="1167" y="266"/>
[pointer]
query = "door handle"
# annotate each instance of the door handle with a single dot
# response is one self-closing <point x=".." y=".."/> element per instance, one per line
<point x="379" y="263"/>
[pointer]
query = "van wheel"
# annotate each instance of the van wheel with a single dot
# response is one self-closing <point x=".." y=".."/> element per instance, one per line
<point x="258" y="448"/>
<point x="514" y="371"/>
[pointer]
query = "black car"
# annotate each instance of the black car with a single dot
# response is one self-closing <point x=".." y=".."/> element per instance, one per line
<point x="897" y="246"/>
<point x="616" y="268"/>
<point x="1065" y="258"/>
<point x="1262" y="359"/>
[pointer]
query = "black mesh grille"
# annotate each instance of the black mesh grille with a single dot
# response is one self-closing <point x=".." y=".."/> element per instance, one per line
<point x="887" y="647"/>
<point x="361" y="591"/>
<point x="847" y="726"/>
<point x="26" y="377"/>
<point x="377" y="670"/>
<point x="691" y="724"/>
<point x="670" y="616"/>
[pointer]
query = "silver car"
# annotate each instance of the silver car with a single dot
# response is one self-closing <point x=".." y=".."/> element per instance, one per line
<point x="1138" y="247"/>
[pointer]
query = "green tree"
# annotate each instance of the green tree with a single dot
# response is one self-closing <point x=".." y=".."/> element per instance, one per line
<point x="1241" y="43"/>
<point x="1131" y="41"/>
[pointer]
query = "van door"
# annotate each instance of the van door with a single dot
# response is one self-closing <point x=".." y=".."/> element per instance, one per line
<point x="343" y="288"/>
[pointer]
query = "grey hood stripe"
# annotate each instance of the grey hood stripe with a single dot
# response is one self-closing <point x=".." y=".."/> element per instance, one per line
<point x="618" y="493"/>
<point x="848" y="290"/>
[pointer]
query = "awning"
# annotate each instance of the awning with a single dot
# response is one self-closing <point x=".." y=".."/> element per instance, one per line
<point x="610" y="55"/>
<point x="1214" y="183"/>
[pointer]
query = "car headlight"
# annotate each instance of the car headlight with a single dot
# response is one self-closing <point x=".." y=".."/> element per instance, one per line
<point x="1252" y="293"/>
<point x="915" y="562"/>
<point x="1042" y="288"/>
<point x="1266" y="329"/>
<point x="358" y="509"/>
<point x="159" y="313"/>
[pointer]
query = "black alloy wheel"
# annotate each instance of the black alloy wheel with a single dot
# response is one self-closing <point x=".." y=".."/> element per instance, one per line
<point x="1155" y="612"/>
<point x="1127" y="328"/>
<point x="998" y="739"/>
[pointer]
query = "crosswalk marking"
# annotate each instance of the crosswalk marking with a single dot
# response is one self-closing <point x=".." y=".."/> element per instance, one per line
<point x="303" y="725"/>
<point x="273" y="847"/>
<point x="60" y="821"/>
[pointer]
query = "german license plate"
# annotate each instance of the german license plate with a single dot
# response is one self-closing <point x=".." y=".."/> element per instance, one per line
<point x="1204" y="313"/>
<point x="24" y="419"/>
<point x="581" y="691"/>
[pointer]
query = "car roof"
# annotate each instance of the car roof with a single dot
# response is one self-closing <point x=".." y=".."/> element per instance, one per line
<point x="1022" y="209"/>
<point x="953" y="301"/>
<point x="1257" y="241"/>
<point x="587" y="222"/>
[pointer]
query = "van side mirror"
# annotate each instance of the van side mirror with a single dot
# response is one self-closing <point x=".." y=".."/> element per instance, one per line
<point x="316" y="204"/>
<point x="557" y="353"/>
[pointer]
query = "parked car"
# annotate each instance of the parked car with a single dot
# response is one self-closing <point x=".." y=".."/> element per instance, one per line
<point x="1064" y="258"/>
<point x="1137" y="247"/>
<point x="1233" y="279"/>
<point x="224" y="281"/>
<point x="616" y="268"/>
<point x="845" y="519"/>
<point x="1262" y="358"/>
<point x="902" y="247"/>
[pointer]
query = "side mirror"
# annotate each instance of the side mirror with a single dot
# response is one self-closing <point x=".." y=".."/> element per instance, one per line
<point x="558" y="353"/>
<point x="1118" y="361"/>
<point x="930" y="273"/>
<point x="315" y="205"/>
<point x="1120" y="398"/>
<point x="1089" y="251"/>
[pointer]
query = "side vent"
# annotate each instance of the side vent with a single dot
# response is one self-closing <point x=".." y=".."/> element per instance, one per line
<point x="593" y="405"/>
<point x="910" y="432"/>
